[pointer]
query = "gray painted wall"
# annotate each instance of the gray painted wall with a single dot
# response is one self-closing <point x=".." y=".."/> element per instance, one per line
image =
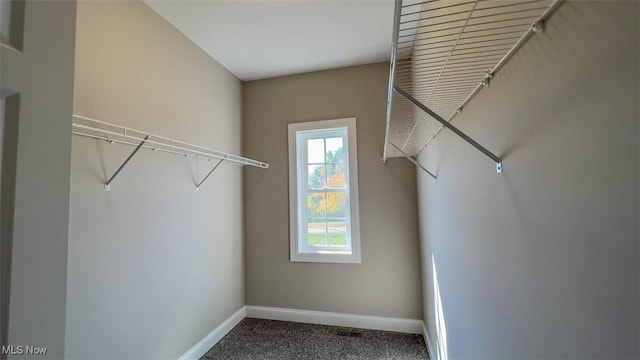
<point x="542" y="260"/>
<point x="36" y="165"/>
<point x="387" y="283"/>
<point x="153" y="265"/>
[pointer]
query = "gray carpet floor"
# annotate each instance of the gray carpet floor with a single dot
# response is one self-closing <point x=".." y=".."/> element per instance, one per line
<point x="270" y="339"/>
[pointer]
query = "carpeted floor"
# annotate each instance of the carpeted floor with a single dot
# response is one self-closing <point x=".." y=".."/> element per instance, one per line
<point x="270" y="339"/>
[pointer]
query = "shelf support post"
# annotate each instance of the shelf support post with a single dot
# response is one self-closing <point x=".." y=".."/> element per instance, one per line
<point x="107" y="185"/>
<point x="209" y="174"/>
<point x="449" y="126"/>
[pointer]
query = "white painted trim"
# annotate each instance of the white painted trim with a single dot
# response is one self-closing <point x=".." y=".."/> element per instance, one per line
<point x="295" y="162"/>
<point x="432" y="352"/>
<point x="410" y="326"/>
<point x="201" y="348"/>
<point x="9" y="46"/>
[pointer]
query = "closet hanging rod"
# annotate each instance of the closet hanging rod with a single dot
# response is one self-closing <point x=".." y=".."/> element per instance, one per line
<point x="116" y="141"/>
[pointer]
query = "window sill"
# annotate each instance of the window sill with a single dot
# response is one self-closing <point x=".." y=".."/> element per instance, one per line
<point x="326" y="258"/>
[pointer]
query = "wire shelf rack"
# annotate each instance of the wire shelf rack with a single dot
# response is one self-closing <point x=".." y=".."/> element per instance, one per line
<point x="112" y="133"/>
<point x="443" y="54"/>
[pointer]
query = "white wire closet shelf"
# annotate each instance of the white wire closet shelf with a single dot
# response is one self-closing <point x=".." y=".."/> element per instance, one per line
<point x="112" y="133"/>
<point x="443" y="54"/>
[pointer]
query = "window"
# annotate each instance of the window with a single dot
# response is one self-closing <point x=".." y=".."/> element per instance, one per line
<point x="323" y="192"/>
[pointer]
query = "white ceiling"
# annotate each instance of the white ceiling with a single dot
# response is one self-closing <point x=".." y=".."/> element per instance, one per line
<point x="257" y="39"/>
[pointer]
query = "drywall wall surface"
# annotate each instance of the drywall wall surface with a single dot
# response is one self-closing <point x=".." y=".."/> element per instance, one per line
<point x="541" y="262"/>
<point x="154" y="266"/>
<point x="37" y="84"/>
<point x="387" y="282"/>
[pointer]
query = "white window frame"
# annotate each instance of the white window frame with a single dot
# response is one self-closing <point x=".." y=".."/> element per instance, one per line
<point x="295" y="163"/>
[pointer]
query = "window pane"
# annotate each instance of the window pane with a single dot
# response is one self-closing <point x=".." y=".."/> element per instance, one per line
<point x="317" y="234"/>
<point x="336" y="206"/>
<point x="317" y="178"/>
<point x="335" y="152"/>
<point x="337" y="221"/>
<point x="316" y="207"/>
<point x="335" y="176"/>
<point x="317" y="219"/>
<point x="315" y="149"/>
<point x="337" y="235"/>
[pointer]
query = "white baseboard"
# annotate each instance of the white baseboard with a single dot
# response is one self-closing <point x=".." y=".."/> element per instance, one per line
<point x="214" y="336"/>
<point x="410" y="326"/>
<point x="432" y="352"/>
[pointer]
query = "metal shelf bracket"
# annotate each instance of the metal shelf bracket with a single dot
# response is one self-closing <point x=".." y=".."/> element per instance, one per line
<point x="449" y="126"/>
<point x="209" y="174"/>
<point x="107" y="185"/>
<point x="413" y="160"/>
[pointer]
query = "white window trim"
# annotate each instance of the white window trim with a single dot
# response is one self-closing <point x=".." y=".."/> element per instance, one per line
<point x="295" y="255"/>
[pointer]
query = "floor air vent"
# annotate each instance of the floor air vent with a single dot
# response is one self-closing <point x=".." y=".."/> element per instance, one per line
<point x="348" y="333"/>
